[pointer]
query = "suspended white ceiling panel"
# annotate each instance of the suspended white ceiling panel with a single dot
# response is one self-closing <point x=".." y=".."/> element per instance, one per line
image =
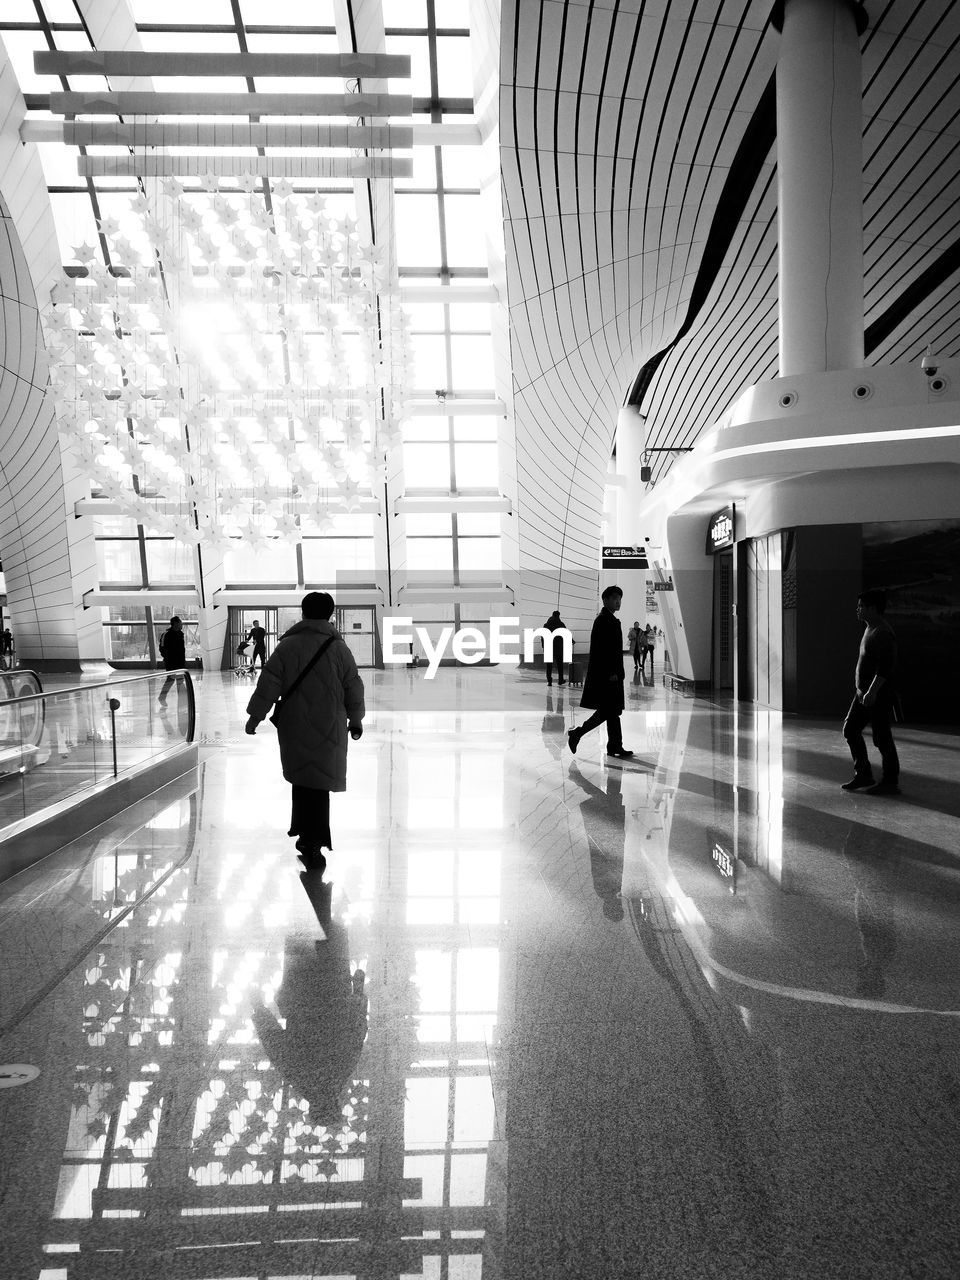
<point x="224" y="133"/>
<point x="108" y="62"/>
<point x="231" y="104"/>
<point x="221" y="166"/>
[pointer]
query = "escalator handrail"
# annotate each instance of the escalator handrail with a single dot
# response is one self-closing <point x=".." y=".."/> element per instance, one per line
<point x="113" y="684"/>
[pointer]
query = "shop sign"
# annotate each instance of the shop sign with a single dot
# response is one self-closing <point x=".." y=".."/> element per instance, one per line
<point x="720" y="530"/>
<point x="663" y="586"/>
<point x="623" y="558"/>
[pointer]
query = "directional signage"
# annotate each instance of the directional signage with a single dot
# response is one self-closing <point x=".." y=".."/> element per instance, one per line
<point x="623" y="558"/>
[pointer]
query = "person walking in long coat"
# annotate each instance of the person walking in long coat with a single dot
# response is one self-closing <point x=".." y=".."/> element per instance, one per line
<point x="603" y="686"/>
<point x="313" y="718"/>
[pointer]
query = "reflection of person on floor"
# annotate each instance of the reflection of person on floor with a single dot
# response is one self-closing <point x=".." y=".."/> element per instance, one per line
<point x="551" y="727"/>
<point x="603" y="822"/>
<point x="874" y="699"/>
<point x="173" y="651"/>
<point x="325" y="1010"/>
<point x="873" y="912"/>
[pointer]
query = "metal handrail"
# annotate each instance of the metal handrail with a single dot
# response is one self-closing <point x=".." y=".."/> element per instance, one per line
<point x="114" y="684"/>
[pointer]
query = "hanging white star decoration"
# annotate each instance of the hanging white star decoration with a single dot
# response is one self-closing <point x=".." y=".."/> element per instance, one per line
<point x="246" y="363"/>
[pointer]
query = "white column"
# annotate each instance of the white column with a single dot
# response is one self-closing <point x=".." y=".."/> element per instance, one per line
<point x="820" y="182"/>
<point x="213" y="618"/>
<point x="631" y="441"/>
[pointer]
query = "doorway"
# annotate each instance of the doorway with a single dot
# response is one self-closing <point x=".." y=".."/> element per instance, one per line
<point x="723" y="635"/>
<point x="356" y="623"/>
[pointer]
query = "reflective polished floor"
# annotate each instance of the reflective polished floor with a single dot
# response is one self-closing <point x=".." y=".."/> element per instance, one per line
<point x="690" y="1015"/>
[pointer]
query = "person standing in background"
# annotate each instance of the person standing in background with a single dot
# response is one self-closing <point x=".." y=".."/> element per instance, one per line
<point x="634" y="643"/>
<point x="553" y="651"/>
<point x="258" y="636"/>
<point x="873" y="700"/>
<point x="648" y="646"/>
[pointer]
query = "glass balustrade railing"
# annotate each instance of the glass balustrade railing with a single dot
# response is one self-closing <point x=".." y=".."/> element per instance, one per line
<point x="55" y="745"/>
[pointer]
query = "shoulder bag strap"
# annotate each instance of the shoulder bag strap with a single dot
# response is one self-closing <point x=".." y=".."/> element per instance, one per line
<point x="285" y="698"/>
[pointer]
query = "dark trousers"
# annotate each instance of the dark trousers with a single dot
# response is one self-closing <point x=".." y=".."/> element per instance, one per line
<point x="261" y="653"/>
<point x="310" y="817"/>
<point x="550" y="664"/>
<point x="637" y="657"/>
<point x="647" y="648"/>
<point x="614" y="731"/>
<point x="878" y="717"/>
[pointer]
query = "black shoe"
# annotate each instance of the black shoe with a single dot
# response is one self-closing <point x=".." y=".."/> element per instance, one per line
<point x="883" y="788"/>
<point x="573" y="739"/>
<point x="857" y="782"/>
<point x="621" y="753"/>
<point x="560" y="682"/>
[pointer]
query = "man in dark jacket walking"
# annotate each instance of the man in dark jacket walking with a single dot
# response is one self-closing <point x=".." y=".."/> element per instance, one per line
<point x="313" y="728"/>
<point x="603" y="686"/>
<point x="174" y="654"/>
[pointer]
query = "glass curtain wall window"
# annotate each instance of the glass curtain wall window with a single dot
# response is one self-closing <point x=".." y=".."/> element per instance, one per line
<point x="439" y="241"/>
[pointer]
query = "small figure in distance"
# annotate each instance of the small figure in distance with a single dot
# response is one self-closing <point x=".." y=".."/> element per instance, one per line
<point x="648" y="646"/>
<point x="873" y="700"/>
<point x="553" y="652"/>
<point x="313" y="675"/>
<point x="634" y="643"/>
<point x="258" y="636"/>
<point x="174" y="655"/>
<point x="603" y="687"/>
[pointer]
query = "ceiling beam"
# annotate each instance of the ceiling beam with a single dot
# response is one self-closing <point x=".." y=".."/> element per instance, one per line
<point x="241" y="133"/>
<point x="105" y="62"/>
<point x="204" y="164"/>
<point x="231" y="104"/>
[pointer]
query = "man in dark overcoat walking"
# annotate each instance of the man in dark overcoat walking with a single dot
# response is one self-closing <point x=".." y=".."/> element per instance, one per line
<point x="603" y="686"/>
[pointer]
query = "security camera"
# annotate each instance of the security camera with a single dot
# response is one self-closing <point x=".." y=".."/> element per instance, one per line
<point x="929" y="364"/>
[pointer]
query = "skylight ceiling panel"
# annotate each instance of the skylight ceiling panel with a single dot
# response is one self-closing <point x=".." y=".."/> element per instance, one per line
<point x="19" y="11"/>
<point x="188" y="42"/>
<point x="59" y="164"/>
<point x="176" y="12"/>
<point x="417" y="48"/>
<point x="273" y="42"/>
<point x="454" y="66"/>
<point x="265" y="13"/>
<point x="424" y="176"/>
<point x="20" y="46"/>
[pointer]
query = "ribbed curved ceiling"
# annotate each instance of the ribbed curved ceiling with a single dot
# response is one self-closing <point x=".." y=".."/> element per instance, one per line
<point x="639" y="155"/>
